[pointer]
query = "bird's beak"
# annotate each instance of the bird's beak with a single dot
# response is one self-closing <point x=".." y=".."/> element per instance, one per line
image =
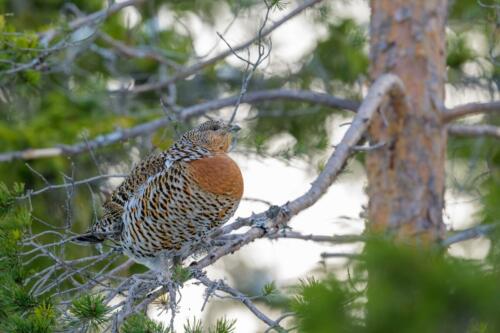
<point x="234" y="128"/>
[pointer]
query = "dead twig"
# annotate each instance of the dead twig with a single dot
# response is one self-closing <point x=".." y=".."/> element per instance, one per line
<point x="193" y="69"/>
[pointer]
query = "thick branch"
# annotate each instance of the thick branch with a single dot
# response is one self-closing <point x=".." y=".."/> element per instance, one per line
<point x="470" y="109"/>
<point x="195" y="110"/>
<point x="474" y="130"/>
<point x="269" y="222"/>
<point x="198" y="66"/>
<point x="199" y="109"/>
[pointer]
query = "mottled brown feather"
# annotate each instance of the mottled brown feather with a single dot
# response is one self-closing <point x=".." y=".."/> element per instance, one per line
<point x="173" y="200"/>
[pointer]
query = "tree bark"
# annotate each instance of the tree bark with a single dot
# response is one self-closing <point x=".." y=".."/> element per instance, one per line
<point x="406" y="177"/>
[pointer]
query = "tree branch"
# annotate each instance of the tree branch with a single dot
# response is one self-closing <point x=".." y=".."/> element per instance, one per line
<point x="139" y="291"/>
<point x="220" y="285"/>
<point x="131" y="52"/>
<point x="470" y="109"/>
<point x="474" y="232"/>
<point x="474" y="130"/>
<point x="199" y="109"/>
<point x="193" y="69"/>
<point x="270" y="221"/>
<point x="31" y="193"/>
<point x="184" y="114"/>
<point x="317" y="238"/>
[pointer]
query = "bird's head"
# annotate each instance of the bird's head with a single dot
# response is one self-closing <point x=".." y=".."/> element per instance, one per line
<point x="214" y="135"/>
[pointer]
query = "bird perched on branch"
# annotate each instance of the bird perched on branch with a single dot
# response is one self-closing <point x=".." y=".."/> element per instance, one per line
<point x="172" y="200"/>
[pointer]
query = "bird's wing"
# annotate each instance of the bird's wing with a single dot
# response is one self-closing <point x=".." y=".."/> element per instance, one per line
<point x="146" y="168"/>
<point x="110" y="224"/>
<point x="161" y="202"/>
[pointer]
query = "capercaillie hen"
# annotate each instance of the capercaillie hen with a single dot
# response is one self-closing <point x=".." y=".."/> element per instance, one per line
<point x="173" y="200"/>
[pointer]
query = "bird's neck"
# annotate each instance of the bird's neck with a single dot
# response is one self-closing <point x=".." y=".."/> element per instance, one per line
<point x="185" y="151"/>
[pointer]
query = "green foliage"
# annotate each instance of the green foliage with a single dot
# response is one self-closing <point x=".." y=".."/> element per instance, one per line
<point x="347" y="40"/>
<point x="481" y="159"/>
<point x="8" y="197"/>
<point x="65" y="99"/>
<point x="269" y="288"/>
<point x="140" y="323"/>
<point x="408" y="289"/>
<point x="90" y="311"/>
<point x="322" y="307"/>
<point x="430" y="292"/>
<point x="19" y="48"/>
<point x="194" y="326"/>
<point x="222" y="325"/>
<point x="20" y="311"/>
<point x="458" y="52"/>
<point x="181" y="274"/>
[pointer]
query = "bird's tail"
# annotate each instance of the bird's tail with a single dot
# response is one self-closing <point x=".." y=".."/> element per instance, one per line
<point x="88" y="238"/>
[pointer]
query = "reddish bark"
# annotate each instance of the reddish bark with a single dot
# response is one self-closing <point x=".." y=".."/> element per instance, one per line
<point x="406" y="177"/>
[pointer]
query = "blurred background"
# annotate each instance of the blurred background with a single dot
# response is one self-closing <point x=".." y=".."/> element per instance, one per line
<point x="91" y="83"/>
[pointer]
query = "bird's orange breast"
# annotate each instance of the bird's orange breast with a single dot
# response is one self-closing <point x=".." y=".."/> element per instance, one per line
<point x="217" y="174"/>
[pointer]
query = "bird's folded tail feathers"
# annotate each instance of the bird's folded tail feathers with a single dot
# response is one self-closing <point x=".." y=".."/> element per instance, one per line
<point x="89" y="238"/>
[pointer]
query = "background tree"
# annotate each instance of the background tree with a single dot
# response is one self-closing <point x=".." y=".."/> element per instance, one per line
<point x="85" y="88"/>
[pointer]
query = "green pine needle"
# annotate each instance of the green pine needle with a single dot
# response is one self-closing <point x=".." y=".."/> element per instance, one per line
<point x="193" y="327"/>
<point x="223" y="325"/>
<point x="140" y="323"/>
<point x="181" y="274"/>
<point x="269" y="289"/>
<point x="90" y="311"/>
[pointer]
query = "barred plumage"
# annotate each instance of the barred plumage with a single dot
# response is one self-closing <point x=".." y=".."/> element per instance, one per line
<point x="171" y="201"/>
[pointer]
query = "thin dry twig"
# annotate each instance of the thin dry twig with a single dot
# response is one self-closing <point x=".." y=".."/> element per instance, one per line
<point x="251" y="66"/>
<point x="222" y="286"/>
<point x="193" y="69"/>
<point x="338" y="239"/>
<point x="31" y="193"/>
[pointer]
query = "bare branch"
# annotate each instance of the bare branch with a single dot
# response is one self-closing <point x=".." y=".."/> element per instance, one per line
<point x="220" y="285"/>
<point x="140" y="290"/>
<point x="317" y="238"/>
<point x="474" y="130"/>
<point x="251" y="67"/>
<point x="31" y="193"/>
<point x="474" y="232"/>
<point x="184" y="114"/>
<point x="470" y="109"/>
<point x="193" y="69"/>
<point x="270" y="221"/>
<point x="326" y="255"/>
<point x="137" y="52"/>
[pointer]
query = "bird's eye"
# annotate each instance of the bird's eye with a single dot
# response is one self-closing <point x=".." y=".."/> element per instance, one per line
<point x="215" y="127"/>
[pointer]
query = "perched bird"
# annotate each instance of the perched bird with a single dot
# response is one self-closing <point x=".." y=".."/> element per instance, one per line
<point x="173" y="200"/>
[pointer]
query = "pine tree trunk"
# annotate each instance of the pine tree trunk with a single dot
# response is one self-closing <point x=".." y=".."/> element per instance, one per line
<point x="406" y="177"/>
